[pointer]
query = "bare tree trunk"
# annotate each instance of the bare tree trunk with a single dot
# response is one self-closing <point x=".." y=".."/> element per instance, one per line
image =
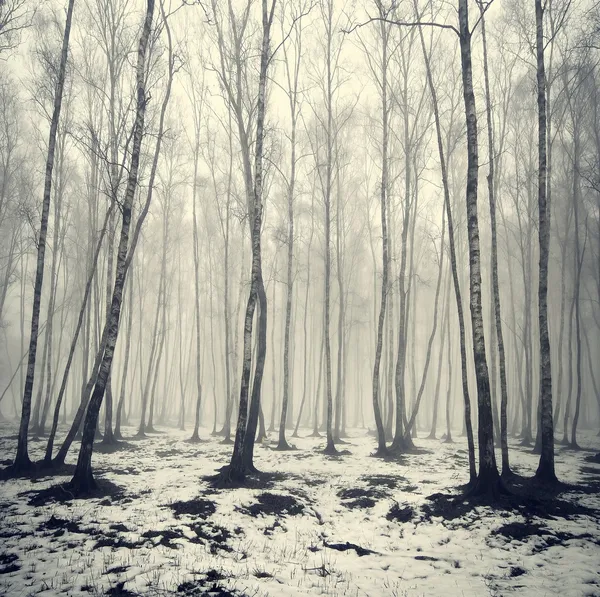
<point x="448" y="439"/>
<point x="121" y="403"/>
<point x="413" y="417"/>
<point x="488" y="480"/>
<point x="63" y="384"/>
<point x="83" y="480"/>
<point x="22" y="462"/>
<point x="495" y="283"/>
<point x="305" y="324"/>
<point x="385" y="110"/>
<point x="400" y="371"/>
<point x="292" y="92"/>
<point x="339" y="394"/>
<point x="243" y="449"/>
<point x="453" y="263"/>
<point x="579" y="255"/>
<point x="436" y="396"/>
<point x="195" y="437"/>
<point x="545" y="471"/>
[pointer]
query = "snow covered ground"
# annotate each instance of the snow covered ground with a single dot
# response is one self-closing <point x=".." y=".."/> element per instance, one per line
<point x="349" y="525"/>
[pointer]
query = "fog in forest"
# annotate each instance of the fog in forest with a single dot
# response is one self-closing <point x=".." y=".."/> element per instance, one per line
<point x="344" y="251"/>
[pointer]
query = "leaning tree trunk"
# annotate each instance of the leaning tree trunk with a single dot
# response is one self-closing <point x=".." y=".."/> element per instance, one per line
<point x="63" y="384"/>
<point x="453" y="263"/>
<point x="488" y="480"/>
<point x="411" y="422"/>
<point x="22" y="461"/>
<point x="83" y="479"/>
<point x="545" y="471"/>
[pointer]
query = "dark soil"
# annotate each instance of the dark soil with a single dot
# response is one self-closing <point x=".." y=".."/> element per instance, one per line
<point x="58" y="526"/>
<point x="7" y="563"/>
<point x="119" y="590"/>
<point x="116" y="446"/>
<point x="61" y="493"/>
<point x="198" y="507"/>
<point x="358" y="497"/>
<point x="360" y="551"/>
<point x="113" y="540"/>
<point x="400" y="513"/>
<point x="389" y="481"/>
<point x="274" y="503"/>
<point x="213" y="535"/>
<point x="209" y="585"/>
<point x="166" y="537"/>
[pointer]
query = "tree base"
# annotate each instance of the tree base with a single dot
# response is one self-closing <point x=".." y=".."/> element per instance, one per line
<point x="488" y="485"/>
<point x="546" y="475"/>
<point x="330" y="449"/>
<point x="382" y="453"/>
<point x="109" y="440"/>
<point x="283" y="446"/>
<point x="22" y="467"/>
<point x="82" y="484"/>
<point x="315" y="433"/>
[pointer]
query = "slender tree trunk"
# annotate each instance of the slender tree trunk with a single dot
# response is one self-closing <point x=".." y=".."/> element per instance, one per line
<point x="385" y="110"/>
<point x="243" y="449"/>
<point x="579" y="255"/>
<point x="453" y="263"/>
<point x="495" y="283"/>
<point x="195" y="437"/>
<point x="121" y="403"/>
<point x="488" y="480"/>
<point x="80" y="319"/>
<point x="448" y="439"/>
<point x="417" y="403"/>
<point x="83" y="480"/>
<point x="545" y="471"/>
<point x="22" y="462"/>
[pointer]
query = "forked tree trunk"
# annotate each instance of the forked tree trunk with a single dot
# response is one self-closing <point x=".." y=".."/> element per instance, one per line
<point x="243" y="449"/>
<point x="488" y="480"/>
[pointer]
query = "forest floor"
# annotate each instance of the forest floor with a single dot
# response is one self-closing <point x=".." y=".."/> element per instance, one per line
<point x="348" y="525"/>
